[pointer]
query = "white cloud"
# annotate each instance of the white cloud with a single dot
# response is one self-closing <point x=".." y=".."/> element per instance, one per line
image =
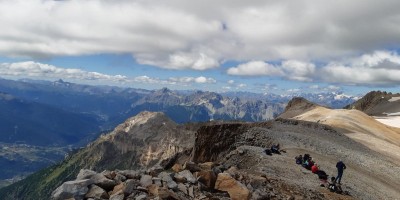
<point x="324" y="88"/>
<point x="297" y="70"/>
<point x="255" y="68"/>
<point x="36" y="70"/>
<point x="39" y="70"/>
<point x="189" y="80"/>
<point x="241" y="85"/>
<point x="294" y="90"/>
<point x="179" y="34"/>
<point x="378" y="68"/>
<point x="230" y="82"/>
<point x="290" y="69"/>
<point x="314" y="87"/>
<point x="146" y="79"/>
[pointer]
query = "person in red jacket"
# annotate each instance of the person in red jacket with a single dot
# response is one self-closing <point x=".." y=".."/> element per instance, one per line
<point x="314" y="168"/>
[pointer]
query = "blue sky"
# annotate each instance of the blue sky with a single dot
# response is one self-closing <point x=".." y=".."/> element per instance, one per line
<point x="257" y="46"/>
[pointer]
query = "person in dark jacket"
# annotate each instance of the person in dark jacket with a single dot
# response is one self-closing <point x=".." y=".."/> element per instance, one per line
<point x="340" y="168"/>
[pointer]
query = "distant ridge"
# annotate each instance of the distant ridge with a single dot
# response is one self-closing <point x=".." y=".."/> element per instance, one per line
<point x="378" y="103"/>
<point x="297" y="106"/>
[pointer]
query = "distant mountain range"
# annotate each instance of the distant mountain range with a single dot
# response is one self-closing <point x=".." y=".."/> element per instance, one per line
<point x="29" y="122"/>
<point x="62" y="113"/>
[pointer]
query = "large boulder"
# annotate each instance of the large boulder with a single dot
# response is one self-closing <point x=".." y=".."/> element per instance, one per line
<point x="167" y="180"/>
<point x="235" y="189"/>
<point x="72" y="189"/>
<point x="207" y="165"/>
<point x="103" y="182"/>
<point x="189" y="176"/>
<point x="206" y="177"/>
<point x="191" y="166"/>
<point x="146" y="180"/>
<point x="96" y="192"/>
<point x="177" y="167"/>
<point x="85" y="174"/>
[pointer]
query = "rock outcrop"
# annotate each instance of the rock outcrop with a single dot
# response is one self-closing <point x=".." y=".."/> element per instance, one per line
<point x="378" y="103"/>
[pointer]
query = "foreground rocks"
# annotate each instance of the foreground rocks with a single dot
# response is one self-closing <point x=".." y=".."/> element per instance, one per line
<point x="191" y="181"/>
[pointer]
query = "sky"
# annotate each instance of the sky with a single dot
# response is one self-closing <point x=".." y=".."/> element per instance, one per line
<point x="264" y="46"/>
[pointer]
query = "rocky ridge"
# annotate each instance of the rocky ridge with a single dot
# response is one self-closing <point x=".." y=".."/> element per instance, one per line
<point x="378" y="103"/>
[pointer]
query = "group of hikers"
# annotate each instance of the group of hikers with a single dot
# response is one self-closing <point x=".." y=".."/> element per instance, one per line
<point x="334" y="185"/>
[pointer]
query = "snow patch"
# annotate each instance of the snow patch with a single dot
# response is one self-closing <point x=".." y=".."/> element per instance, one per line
<point x="394" y="99"/>
<point x="390" y="121"/>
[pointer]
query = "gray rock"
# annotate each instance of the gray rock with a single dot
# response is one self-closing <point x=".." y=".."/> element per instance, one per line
<point x="85" y="174"/>
<point x="191" y="191"/>
<point x="191" y="166"/>
<point x="72" y="189"/>
<point x="103" y="182"/>
<point x="119" y="178"/>
<point x="141" y="197"/>
<point x="183" y="188"/>
<point x="130" y="174"/>
<point x="172" y="185"/>
<point x="117" y="197"/>
<point x="109" y="174"/>
<point x="157" y="181"/>
<point x="155" y="170"/>
<point x="145" y="180"/>
<point x="179" y="178"/>
<point x="130" y="185"/>
<point x="189" y="176"/>
<point x="167" y="178"/>
<point x="96" y="192"/>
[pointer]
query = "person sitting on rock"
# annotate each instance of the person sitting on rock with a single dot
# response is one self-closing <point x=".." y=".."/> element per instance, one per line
<point x="275" y="148"/>
<point x="332" y="185"/>
<point x="306" y="157"/>
<point x="299" y="159"/>
<point x="310" y="163"/>
<point x="314" y="168"/>
<point x="305" y="164"/>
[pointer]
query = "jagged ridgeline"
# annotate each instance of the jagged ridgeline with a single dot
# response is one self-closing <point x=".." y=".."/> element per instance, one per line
<point x="140" y="142"/>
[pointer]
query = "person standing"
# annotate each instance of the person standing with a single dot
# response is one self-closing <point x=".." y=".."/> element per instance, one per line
<point x="340" y="168"/>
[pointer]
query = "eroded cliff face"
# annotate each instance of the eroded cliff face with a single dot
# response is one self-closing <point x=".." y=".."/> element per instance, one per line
<point x="148" y="139"/>
<point x="213" y="142"/>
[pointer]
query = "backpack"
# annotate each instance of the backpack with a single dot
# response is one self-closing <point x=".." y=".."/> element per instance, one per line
<point x="332" y="187"/>
<point x="268" y="152"/>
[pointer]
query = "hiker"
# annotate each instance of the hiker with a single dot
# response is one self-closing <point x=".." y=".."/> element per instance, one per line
<point x="314" y="168"/>
<point x="306" y="157"/>
<point x="322" y="175"/>
<point x="340" y="168"/>
<point x="275" y="149"/>
<point x="268" y="152"/>
<point x="299" y="159"/>
<point x="308" y="163"/>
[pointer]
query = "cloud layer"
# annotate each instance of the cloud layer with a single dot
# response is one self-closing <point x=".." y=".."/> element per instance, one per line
<point x="34" y="70"/>
<point x="304" y="40"/>
<point x="179" y="34"/>
<point x="377" y="68"/>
